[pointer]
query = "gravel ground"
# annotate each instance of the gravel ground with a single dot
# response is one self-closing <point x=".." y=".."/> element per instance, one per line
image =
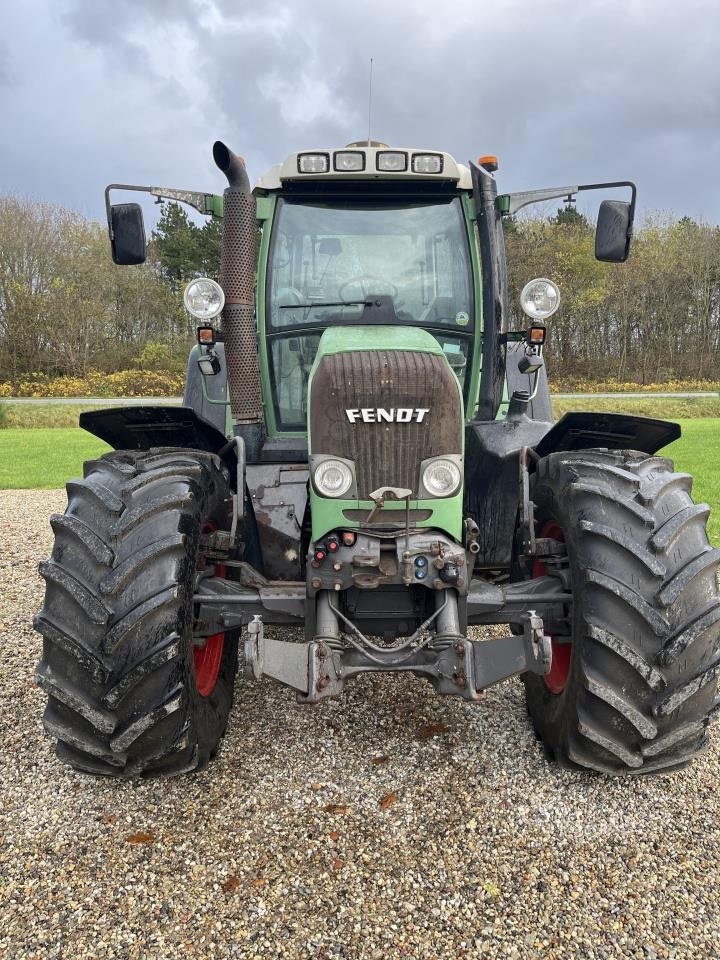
<point x="390" y="824"/>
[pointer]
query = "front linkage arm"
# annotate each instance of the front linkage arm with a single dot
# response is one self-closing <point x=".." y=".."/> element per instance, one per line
<point x="318" y="669"/>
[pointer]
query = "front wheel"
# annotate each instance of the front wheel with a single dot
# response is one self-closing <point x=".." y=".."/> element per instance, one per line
<point x="635" y="671"/>
<point x="134" y="688"/>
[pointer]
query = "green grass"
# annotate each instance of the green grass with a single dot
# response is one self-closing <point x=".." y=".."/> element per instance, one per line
<point x="40" y="415"/>
<point x="45" y="458"/>
<point x="663" y="408"/>
<point x="698" y="452"/>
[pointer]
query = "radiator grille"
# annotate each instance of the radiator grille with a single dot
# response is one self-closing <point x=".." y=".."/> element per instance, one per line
<point x="385" y="454"/>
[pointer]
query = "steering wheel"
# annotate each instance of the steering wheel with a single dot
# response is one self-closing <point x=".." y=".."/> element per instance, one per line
<point x="368" y="285"/>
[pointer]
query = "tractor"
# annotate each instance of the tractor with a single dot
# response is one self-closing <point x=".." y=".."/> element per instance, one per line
<point x="366" y="452"/>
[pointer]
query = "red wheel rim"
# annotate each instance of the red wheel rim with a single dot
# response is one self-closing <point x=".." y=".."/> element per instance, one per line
<point x="207" y="659"/>
<point x="557" y="678"/>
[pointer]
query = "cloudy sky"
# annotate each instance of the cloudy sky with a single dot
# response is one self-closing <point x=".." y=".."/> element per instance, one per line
<point x="564" y="91"/>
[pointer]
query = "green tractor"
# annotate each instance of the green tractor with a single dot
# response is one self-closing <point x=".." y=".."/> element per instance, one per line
<point x="367" y="453"/>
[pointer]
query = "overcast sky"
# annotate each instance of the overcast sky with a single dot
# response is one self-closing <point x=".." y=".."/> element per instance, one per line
<point x="564" y="91"/>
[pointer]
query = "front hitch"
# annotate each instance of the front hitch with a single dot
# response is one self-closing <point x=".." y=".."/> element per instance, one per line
<point x="454" y="665"/>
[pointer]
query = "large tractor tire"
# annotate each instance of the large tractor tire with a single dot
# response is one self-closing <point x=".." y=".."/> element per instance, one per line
<point x="634" y="680"/>
<point x="131" y="691"/>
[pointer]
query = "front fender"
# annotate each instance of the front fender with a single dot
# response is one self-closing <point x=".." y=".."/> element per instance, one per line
<point x="613" y="431"/>
<point x="142" y="427"/>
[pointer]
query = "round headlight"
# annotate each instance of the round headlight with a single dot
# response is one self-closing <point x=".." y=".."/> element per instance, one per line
<point x="204" y="298"/>
<point x="332" y="478"/>
<point x="441" y="478"/>
<point x="540" y="299"/>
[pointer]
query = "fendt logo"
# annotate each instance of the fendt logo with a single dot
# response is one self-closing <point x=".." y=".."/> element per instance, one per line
<point x="381" y="415"/>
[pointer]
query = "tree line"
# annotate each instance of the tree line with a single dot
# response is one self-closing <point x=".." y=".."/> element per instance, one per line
<point x="67" y="310"/>
<point x="652" y="319"/>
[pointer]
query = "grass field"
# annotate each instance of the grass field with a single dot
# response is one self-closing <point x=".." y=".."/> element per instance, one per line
<point x="698" y="452"/>
<point x="667" y="408"/>
<point x="47" y="457"/>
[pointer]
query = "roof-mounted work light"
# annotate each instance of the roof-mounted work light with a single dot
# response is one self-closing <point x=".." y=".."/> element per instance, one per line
<point x="313" y="162"/>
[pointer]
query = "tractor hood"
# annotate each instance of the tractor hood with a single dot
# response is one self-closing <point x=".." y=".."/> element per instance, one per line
<point x="384" y="400"/>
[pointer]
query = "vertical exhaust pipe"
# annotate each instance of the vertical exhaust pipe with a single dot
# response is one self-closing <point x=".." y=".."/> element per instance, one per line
<point x="238" y="264"/>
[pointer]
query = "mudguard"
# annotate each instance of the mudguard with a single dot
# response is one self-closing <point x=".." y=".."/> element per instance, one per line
<point x="139" y="428"/>
<point x="492" y="450"/>
<point x="613" y="431"/>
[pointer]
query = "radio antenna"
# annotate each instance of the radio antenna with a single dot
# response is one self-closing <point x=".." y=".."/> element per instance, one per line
<point x="370" y="102"/>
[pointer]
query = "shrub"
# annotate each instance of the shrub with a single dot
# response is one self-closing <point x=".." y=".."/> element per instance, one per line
<point x="584" y="385"/>
<point x="124" y="383"/>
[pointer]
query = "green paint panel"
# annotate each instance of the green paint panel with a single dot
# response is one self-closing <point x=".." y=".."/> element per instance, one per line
<point x="264" y="207"/>
<point x="345" y="339"/>
<point x="215" y="204"/>
<point x="327" y="514"/>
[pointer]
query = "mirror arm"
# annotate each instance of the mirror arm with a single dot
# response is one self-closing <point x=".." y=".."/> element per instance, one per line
<point x="208" y="204"/>
<point x="615" y="183"/>
<point x="510" y="203"/>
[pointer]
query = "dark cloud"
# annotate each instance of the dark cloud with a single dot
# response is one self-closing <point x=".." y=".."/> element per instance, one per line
<point x="563" y="92"/>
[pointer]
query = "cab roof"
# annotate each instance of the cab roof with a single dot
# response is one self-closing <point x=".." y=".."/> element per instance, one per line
<point x="370" y="161"/>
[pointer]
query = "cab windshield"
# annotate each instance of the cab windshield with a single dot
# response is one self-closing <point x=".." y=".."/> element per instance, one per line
<point x="328" y="259"/>
<point x="349" y="262"/>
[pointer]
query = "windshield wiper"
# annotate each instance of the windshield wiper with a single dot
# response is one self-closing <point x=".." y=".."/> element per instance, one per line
<point x="329" y="303"/>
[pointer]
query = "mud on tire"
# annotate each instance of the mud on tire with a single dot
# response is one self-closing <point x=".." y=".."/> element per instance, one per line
<point x="117" y="622"/>
<point x="643" y="675"/>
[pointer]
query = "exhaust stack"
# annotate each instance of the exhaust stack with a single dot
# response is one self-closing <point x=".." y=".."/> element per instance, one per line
<point x="238" y="264"/>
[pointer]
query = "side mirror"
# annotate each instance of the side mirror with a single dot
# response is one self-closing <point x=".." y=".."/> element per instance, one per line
<point x="614" y="231"/>
<point x="127" y="234"/>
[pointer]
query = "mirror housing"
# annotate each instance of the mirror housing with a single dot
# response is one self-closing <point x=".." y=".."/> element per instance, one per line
<point x="614" y="231"/>
<point x="127" y="234"/>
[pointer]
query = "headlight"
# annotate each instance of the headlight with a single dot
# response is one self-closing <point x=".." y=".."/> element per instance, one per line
<point x="204" y="298"/>
<point x="540" y="299"/>
<point x="441" y="477"/>
<point x="332" y="478"/>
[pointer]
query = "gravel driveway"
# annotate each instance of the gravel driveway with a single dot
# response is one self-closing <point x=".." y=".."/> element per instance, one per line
<point x="390" y="824"/>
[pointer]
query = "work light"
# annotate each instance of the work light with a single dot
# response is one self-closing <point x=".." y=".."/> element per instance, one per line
<point x="441" y="477"/>
<point x="204" y="298"/>
<point x="427" y="163"/>
<point x="540" y="299"/>
<point x="313" y="162"/>
<point x="209" y="364"/>
<point x="349" y="160"/>
<point x="392" y="161"/>
<point x="332" y="478"/>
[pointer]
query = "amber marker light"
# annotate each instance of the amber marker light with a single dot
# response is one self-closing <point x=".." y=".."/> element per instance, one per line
<point x="206" y="336"/>
<point x="489" y="163"/>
